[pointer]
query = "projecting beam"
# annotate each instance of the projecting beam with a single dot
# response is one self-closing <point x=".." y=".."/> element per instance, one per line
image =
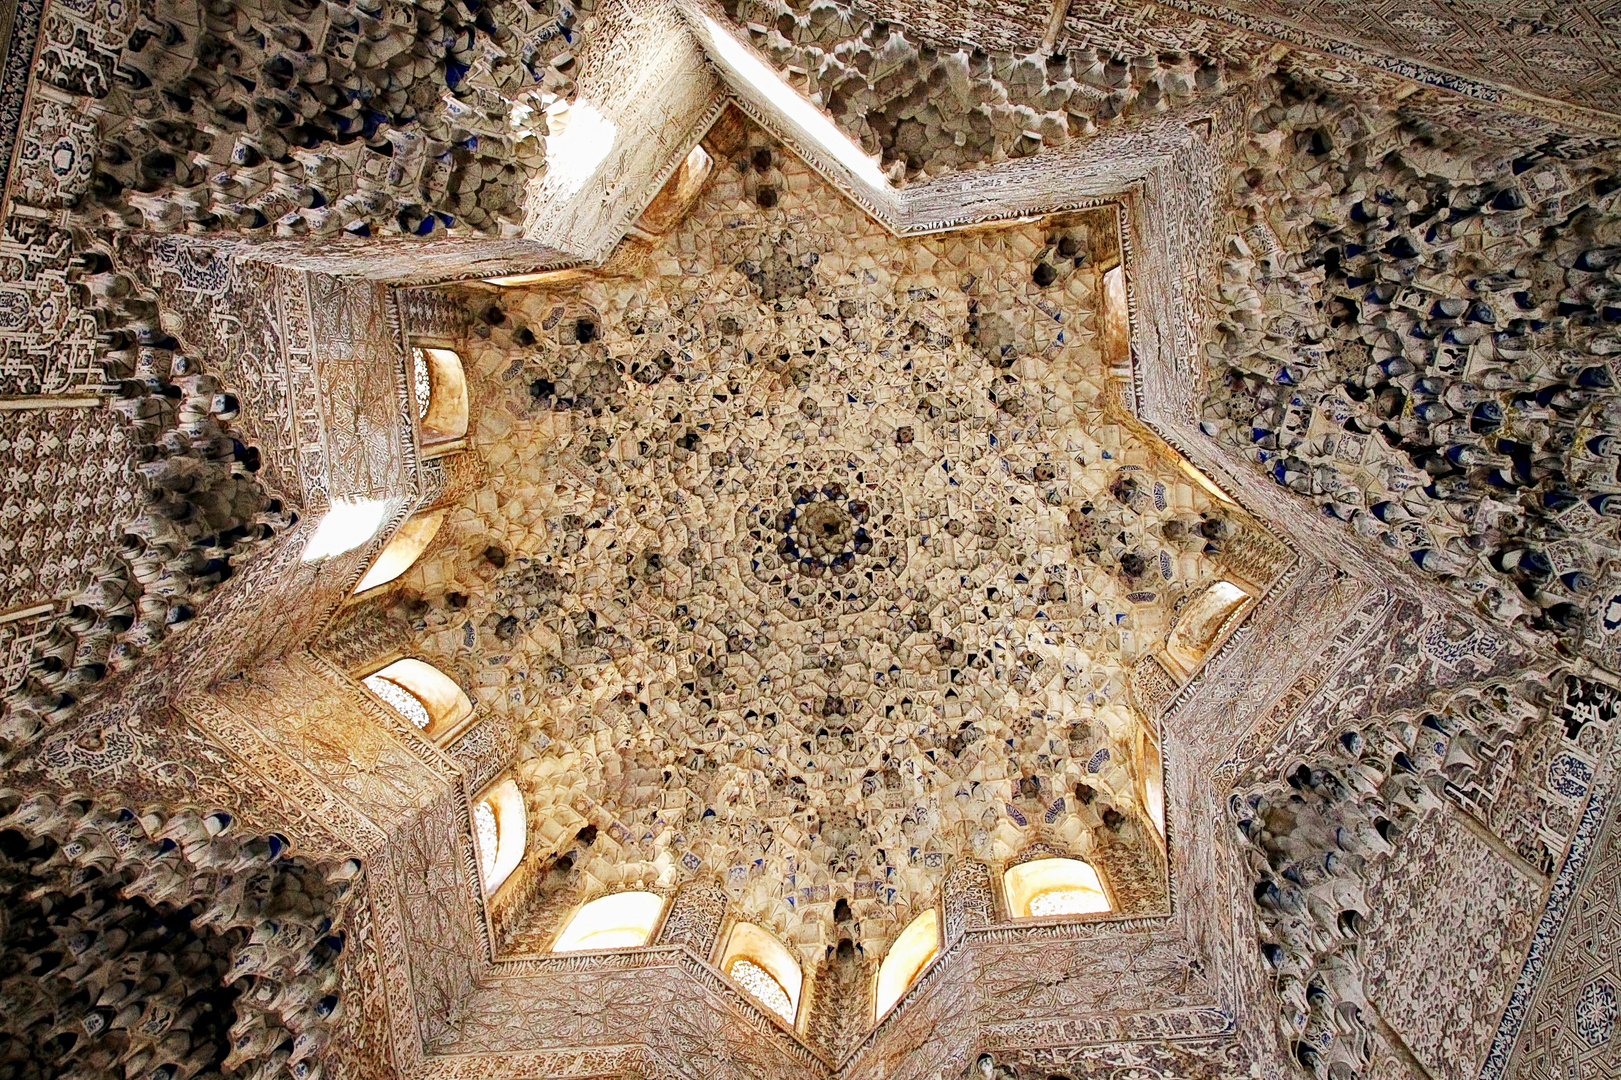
<point x="1055" y="25"/>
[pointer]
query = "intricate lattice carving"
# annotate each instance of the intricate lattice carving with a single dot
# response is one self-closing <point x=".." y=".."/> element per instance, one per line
<point x="696" y="914"/>
<point x="967" y="897"/>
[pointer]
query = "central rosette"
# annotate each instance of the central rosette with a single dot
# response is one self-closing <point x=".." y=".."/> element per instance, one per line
<point x="828" y="538"/>
<point x="823" y="531"/>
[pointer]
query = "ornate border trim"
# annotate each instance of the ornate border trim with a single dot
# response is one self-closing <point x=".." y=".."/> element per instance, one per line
<point x="19" y="42"/>
<point x="1551" y="928"/>
<point x="1508" y="97"/>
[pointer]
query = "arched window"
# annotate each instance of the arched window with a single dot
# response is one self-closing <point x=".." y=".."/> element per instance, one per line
<point x="500" y="828"/>
<point x="1151" y="769"/>
<point x="911" y="952"/>
<point x="621" y="921"/>
<point x="408" y="544"/>
<point x="424" y="695"/>
<point x="441" y="393"/>
<point x="763" y="967"/>
<point x="1048" y="888"/>
<point x="1201" y="624"/>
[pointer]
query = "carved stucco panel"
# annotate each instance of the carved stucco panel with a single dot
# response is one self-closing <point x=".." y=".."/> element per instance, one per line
<point x="252" y="322"/>
<point x="329" y="726"/>
<point x="441" y="912"/>
<point x="362" y="1033"/>
<point x="1560" y="1019"/>
<point x="695" y="918"/>
<point x="1560" y="55"/>
<point x="360" y="376"/>
<point x="1450" y="922"/>
<point x="67" y="486"/>
<point x="47" y="338"/>
<point x="1095" y="976"/>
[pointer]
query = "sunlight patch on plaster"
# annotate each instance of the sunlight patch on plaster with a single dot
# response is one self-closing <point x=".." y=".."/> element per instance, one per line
<point x="580" y="140"/>
<point x="346" y="526"/>
<point x="795" y="108"/>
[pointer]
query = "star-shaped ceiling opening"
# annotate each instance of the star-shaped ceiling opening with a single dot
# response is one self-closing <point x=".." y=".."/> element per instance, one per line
<point x="828" y="557"/>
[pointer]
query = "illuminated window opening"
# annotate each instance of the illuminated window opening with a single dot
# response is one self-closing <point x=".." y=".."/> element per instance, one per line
<point x="500" y="831"/>
<point x="1116" y="320"/>
<point x="1201" y="626"/>
<point x="402" y="551"/>
<point x="621" y="921"/>
<point x="676" y="197"/>
<point x="399" y="699"/>
<point x="1052" y="888"/>
<point x="763" y="967"/>
<point x="762" y="987"/>
<point x="911" y="953"/>
<point x="807" y="117"/>
<point x="1151" y="768"/>
<point x="441" y="394"/>
<point x="423" y="695"/>
<point x="345" y="526"/>
<point x="489" y="838"/>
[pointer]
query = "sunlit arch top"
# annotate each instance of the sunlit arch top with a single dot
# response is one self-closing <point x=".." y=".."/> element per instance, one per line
<point x="763" y="966"/>
<point x="621" y="921"/>
<point x="1047" y="888"/>
<point x="911" y="952"/>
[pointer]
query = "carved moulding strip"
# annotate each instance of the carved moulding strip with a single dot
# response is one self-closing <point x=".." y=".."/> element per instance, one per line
<point x="484" y="750"/>
<point x="661" y="997"/>
<point x="1082" y="176"/>
<point x="19" y="34"/>
<point x="449" y="478"/>
<point x="432" y="313"/>
<point x="1087" y="177"/>
<point x="1195" y="1022"/>
<point x="407" y="262"/>
<point x="1320" y="40"/>
<point x="1161" y="1060"/>
<point x="1553" y="926"/>
<point x="622" y="1062"/>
